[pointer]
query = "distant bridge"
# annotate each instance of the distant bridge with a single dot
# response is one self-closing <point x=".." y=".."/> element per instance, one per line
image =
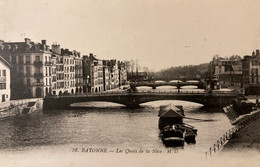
<point x="176" y="79"/>
<point x="133" y="100"/>
<point x="201" y="85"/>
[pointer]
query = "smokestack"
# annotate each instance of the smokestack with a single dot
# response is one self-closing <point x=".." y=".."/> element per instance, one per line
<point x="44" y="42"/>
<point x="27" y="41"/>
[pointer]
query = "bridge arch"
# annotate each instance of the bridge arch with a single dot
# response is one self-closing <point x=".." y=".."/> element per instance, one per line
<point x="133" y="100"/>
<point x="96" y="104"/>
<point x="175" y="81"/>
<point x="174" y="102"/>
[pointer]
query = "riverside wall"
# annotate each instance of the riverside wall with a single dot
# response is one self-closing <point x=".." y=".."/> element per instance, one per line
<point x="247" y="138"/>
<point x="15" y="107"/>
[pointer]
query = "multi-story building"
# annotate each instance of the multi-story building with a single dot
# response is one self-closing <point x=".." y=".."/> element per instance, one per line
<point x="86" y="66"/>
<point x="251" y="69"/>
<point x="39" y="70"/>
<point x="228" y="71"/>
<point x="114" y="74"/>
<point x="31" y="74"/>
<point x="78" y="72"/>
<point x="5" y="78"/>
<point x="106" y="75"/>
<point x="93" y="74"/>
<point x="53" y="75"/>
<point x="99" y="86"/>
<point x="122" y="73"/>
<point x="59" y="70"/>
<point x="69" y="71"/>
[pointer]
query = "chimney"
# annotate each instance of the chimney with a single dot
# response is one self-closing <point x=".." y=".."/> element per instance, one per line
<point x="257" y="52"/>
<point x="56" y="48"/>
<point x="27" y="41"/>
<point x="253" y="53"/>
<point x="44" y="42"/>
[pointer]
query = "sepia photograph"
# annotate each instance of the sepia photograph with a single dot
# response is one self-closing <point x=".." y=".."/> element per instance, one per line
<point x="129" y="83"/>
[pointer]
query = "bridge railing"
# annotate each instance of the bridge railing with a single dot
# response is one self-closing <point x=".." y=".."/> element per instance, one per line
<point x="148" y="92"/>
<point x="230" y="133"/>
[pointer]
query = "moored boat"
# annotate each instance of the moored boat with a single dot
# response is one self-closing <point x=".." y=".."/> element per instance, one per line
<point x="172" y="129"/>
<point x="173" y="141"/>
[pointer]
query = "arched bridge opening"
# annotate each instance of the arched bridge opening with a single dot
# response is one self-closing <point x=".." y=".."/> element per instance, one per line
<point x="133" y="100"/>
<point x="96" y="104"/>
<point x="158" y="103"/>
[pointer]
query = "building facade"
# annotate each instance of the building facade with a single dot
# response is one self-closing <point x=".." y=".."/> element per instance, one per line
<point x="5" y="79"/>
<point x="40" y="71"/>
<point x="228" y="71"/>
<point x="31" y="74"/>
<point x="78" y="72"/>
<point x="251" y="69"/>
<point x="93" y="73"/>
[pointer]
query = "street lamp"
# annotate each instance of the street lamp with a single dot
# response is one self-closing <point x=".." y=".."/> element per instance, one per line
<point x="87" y="83"/>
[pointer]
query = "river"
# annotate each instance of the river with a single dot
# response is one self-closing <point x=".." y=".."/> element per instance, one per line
<point x="106" y="125"/>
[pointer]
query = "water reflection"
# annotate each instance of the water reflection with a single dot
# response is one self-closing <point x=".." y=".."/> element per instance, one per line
<point x="105" y="127"/>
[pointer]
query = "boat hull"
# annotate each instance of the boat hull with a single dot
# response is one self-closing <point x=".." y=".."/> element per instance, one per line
<point x="173" y="141"/>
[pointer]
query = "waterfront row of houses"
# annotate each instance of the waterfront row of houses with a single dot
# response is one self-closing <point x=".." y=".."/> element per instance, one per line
<point x="39" y="70"/>
<point x="236" y="71"/>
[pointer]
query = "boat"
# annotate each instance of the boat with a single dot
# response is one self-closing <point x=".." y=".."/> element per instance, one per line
<point x="172" y="135"/>
<point x="173" y="131"/>
<point x="170" y="115"/>
<point x="173" y="141"/>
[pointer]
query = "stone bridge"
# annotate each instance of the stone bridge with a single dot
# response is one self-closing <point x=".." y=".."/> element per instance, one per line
<point x="176" y="79"/>
<point x="201" y="85"/>
<point x="133" y="100"/>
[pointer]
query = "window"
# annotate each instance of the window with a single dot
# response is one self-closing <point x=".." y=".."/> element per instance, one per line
<point x="4" y="73"/>
<point x="37" y="58"/>
<point x="46" y="71"/>
<point x="27" y="59"/>
<point x="38" y="80"/>
<point x="28" y="70"/>
<point x="20" y="59"/>
<point x="38" y="70"/>
<point x="28" y="82"/>
<point x="14" y="59"/>
<point x="2" y="86"/>
<point x="21" y="69"/>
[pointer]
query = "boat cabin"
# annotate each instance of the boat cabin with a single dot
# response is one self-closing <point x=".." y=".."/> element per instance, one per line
<point x="170" y="115"/>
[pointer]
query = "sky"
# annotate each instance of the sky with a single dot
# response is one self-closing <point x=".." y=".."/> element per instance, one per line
<point x="158" y="33"/>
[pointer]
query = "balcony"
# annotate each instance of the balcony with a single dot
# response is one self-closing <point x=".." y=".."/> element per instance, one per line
<point x="38" y="63"/>
<point x="38" y="84"/>
<point x="48" y="63"/>
<point x="38" y="75"/>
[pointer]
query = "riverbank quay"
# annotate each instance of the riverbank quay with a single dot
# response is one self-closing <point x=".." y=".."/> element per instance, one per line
<point x="15" y="107"/>
<point x="246" y="139"/>
<point x="239" y="135"/>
